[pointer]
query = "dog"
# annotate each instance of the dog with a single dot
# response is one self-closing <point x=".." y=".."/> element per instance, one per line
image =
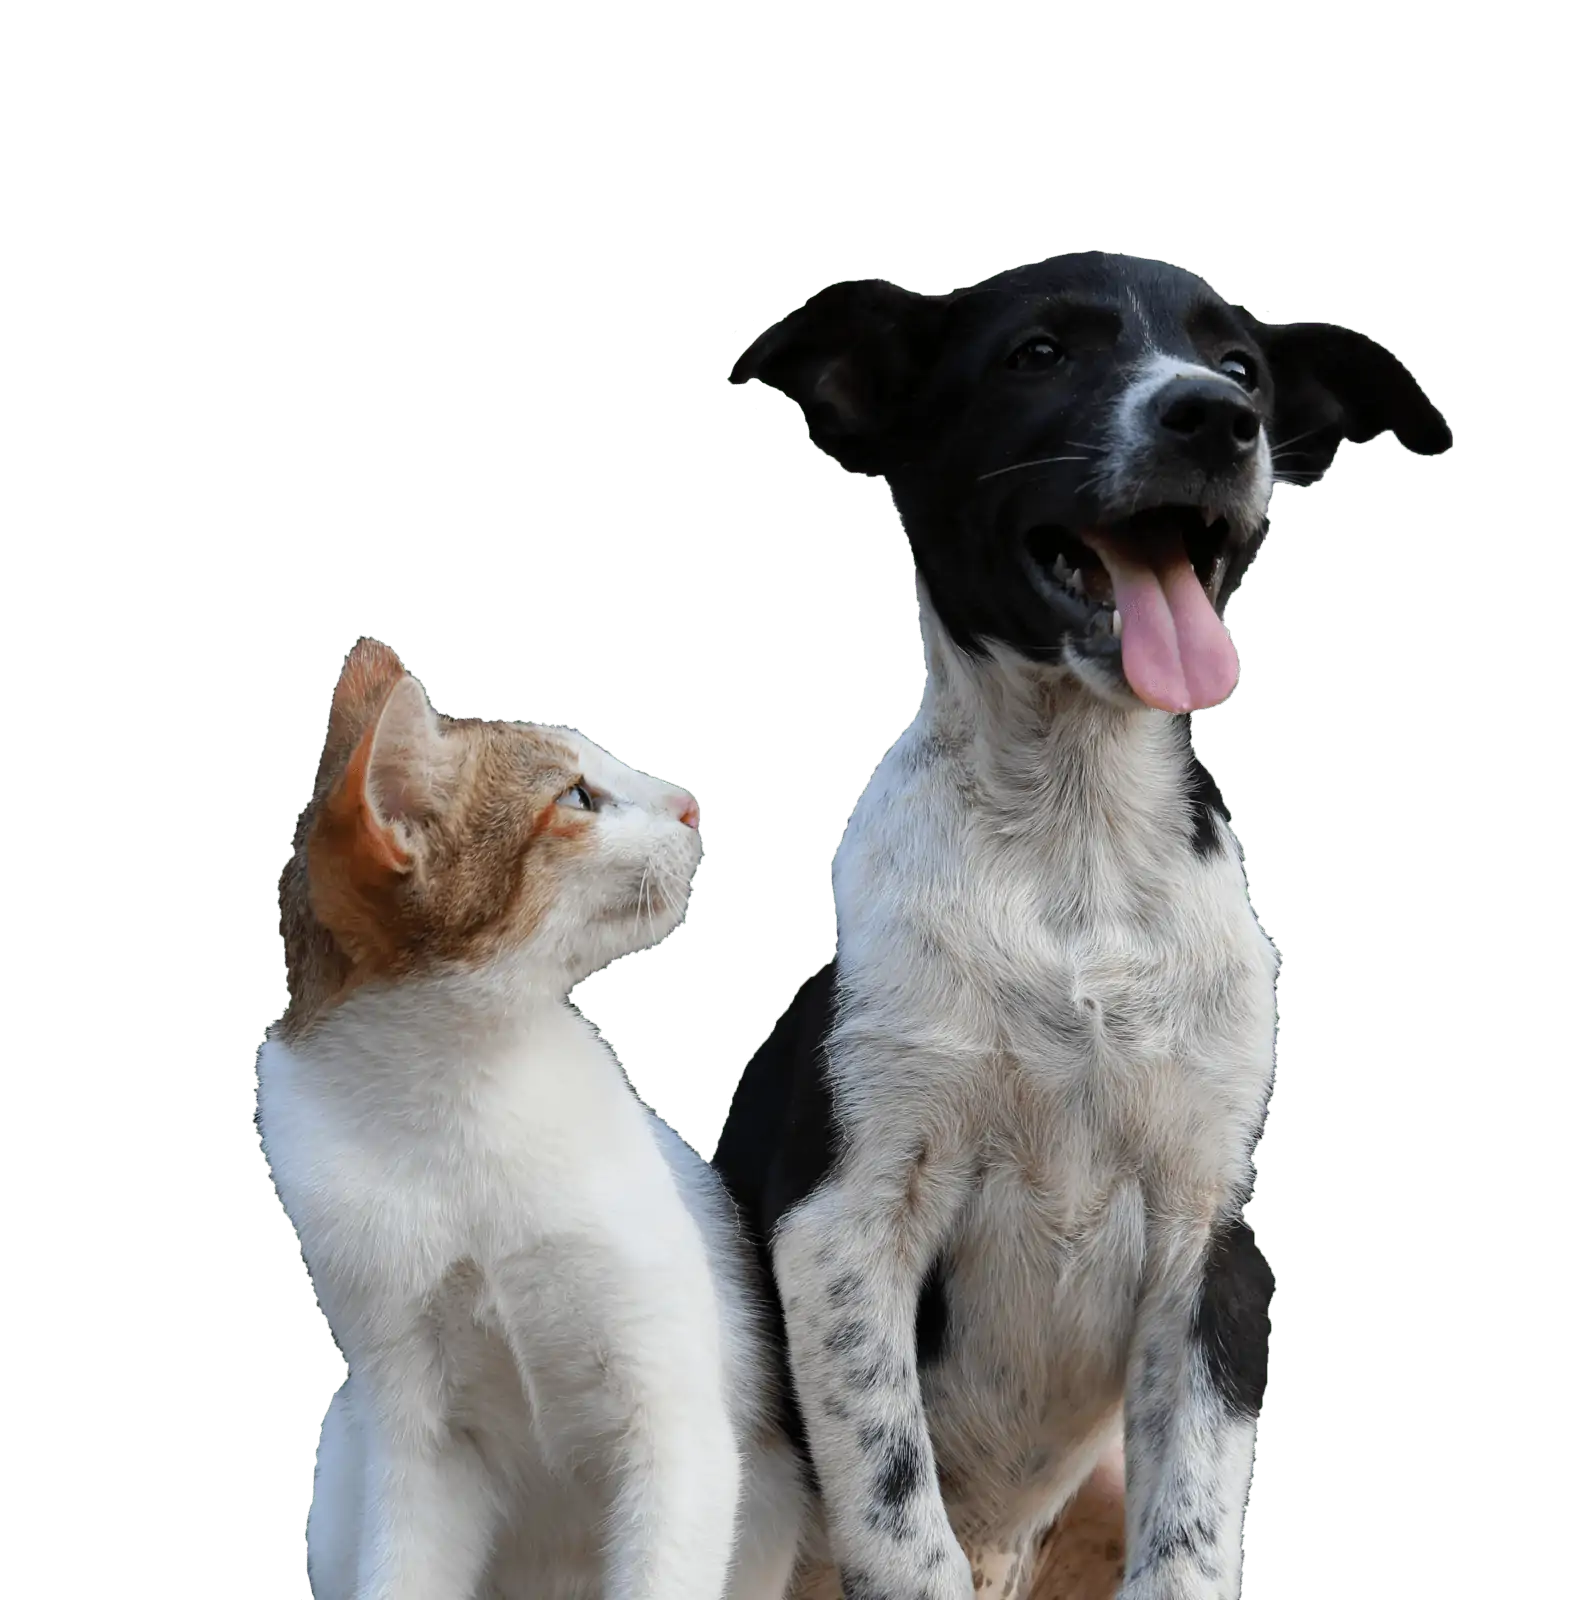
<point x="996" y="1153"/>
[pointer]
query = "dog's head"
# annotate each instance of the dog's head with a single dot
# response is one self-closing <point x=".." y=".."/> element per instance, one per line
<point x="1082" y="451"/>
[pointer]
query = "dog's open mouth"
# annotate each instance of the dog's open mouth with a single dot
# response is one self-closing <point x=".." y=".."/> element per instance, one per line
<point x="1149" y="582"/>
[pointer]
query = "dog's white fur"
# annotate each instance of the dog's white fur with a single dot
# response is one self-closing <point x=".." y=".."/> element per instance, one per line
<point x="1053" y="1052"/>
<point x="1130" y="450"/>
<point x="558" y="1380"/>
<point x="1005" y="1206"/>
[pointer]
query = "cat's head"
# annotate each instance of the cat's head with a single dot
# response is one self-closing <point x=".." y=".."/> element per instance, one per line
<point x="434" y="841"/>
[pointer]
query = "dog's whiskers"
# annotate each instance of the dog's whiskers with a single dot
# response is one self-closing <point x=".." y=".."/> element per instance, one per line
<point x="1282" y="444"/>
<point x="1018" y="466"/>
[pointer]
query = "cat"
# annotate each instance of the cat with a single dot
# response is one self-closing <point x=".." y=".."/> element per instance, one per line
<point x="560" y="1381"/>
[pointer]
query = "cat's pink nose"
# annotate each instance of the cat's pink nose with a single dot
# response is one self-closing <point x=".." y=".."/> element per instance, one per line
<point x="688" y="811"/>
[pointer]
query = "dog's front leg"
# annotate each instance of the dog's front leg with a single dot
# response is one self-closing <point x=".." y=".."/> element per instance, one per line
<point x="850" y="1261"/>
<point x="1195" y="1380"/>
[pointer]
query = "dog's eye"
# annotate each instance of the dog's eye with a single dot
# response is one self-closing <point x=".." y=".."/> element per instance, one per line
<point x="578" y="796"/>
<point x="1240" y="368"/>
<point x="1034" y="355"/>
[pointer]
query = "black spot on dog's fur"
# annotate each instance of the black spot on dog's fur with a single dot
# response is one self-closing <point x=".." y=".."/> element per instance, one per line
<point x="902" y="1474"/>
<point x="1205" y="804"/>
<point x="845" y="1289"/>
<point x="932" y="750"/>
<point x="780" y="1139"/>
<point x="934" y="1315"/>
<point x="871" y="1374"/>
<point x="1191" y="1539"/>
<point x="857" y="1587"/>
<point x="1152" y="1366"/>
<point x="846" y="1337"/>
<point x="1232" y="1326"/>
<point x="1151" y="1426"/>
<point x="781" y="1136"/>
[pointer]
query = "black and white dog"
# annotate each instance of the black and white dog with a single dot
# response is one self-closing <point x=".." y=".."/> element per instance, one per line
<point x="997" y="1152"/>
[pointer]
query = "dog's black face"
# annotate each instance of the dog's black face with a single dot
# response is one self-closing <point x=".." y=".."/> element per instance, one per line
<point x="1082" y="451"/>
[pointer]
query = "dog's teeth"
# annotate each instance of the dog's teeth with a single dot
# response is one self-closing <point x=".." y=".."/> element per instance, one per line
<point x="1209" y="516"/>
<point x="1116" y="623"/>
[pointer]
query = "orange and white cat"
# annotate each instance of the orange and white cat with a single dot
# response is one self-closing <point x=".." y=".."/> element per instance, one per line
<point x="559" y="1382"/>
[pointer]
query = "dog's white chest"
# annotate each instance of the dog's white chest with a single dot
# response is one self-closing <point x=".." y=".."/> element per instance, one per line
<point x="1083" y="1009"/>
<point x="1116" y="977"/>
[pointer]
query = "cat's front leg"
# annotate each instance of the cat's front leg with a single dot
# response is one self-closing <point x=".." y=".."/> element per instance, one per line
<point x="850" y="1261"/>
<point x="429" y="1514"/>
<point x="618" y="1344"/>
<point x="1196" y="1375"/>
<point x="671" y="1519"/>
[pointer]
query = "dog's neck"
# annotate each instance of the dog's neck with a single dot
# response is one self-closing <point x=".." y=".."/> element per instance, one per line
<point x="1038" y="738"/>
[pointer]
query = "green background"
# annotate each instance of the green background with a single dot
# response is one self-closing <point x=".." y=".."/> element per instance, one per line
<point x="413" y="320"/>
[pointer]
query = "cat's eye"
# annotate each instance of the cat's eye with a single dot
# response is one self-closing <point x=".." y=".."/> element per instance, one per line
<point x="578" y="796"/>
<point x="1240" y="368"/>
<point x="1035" y="355"/>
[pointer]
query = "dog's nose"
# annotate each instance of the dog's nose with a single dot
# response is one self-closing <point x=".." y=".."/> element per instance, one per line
<point x="1208" y="420"/>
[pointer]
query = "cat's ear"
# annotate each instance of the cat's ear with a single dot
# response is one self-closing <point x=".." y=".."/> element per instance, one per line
<point x="364" y="840"/>
<point x="388" y="765"/>
<point x="398" y="774"/>
<point x="369" y="672"/>
<point x="851" y="358"/>
<point x="412" y="764"/>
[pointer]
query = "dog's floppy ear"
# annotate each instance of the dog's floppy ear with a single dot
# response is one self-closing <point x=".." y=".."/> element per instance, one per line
<point x="850" y="358"/>
<point x="1334" y="384"/>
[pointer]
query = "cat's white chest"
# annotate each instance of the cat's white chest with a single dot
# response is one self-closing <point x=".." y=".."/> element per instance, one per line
<point x="394" y="1176"/>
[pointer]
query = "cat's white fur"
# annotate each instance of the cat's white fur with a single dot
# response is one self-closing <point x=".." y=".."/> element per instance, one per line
<point x="559" y="1385"/>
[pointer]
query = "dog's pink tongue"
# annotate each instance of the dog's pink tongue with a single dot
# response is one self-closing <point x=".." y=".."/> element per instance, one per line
<point x="1175" y="651"/>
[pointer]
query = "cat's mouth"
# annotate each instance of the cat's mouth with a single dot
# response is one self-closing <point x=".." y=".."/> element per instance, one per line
<point x="652" y="897"/>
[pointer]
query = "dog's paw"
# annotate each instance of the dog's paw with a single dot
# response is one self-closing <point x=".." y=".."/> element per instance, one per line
<point x="936" y="1572"/>
<point x="1165" y="1586"/>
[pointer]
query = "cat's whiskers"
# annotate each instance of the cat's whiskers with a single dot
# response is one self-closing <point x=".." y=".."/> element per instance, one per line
<point x="644" y="898"/>
<point x="663" y="891"/>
